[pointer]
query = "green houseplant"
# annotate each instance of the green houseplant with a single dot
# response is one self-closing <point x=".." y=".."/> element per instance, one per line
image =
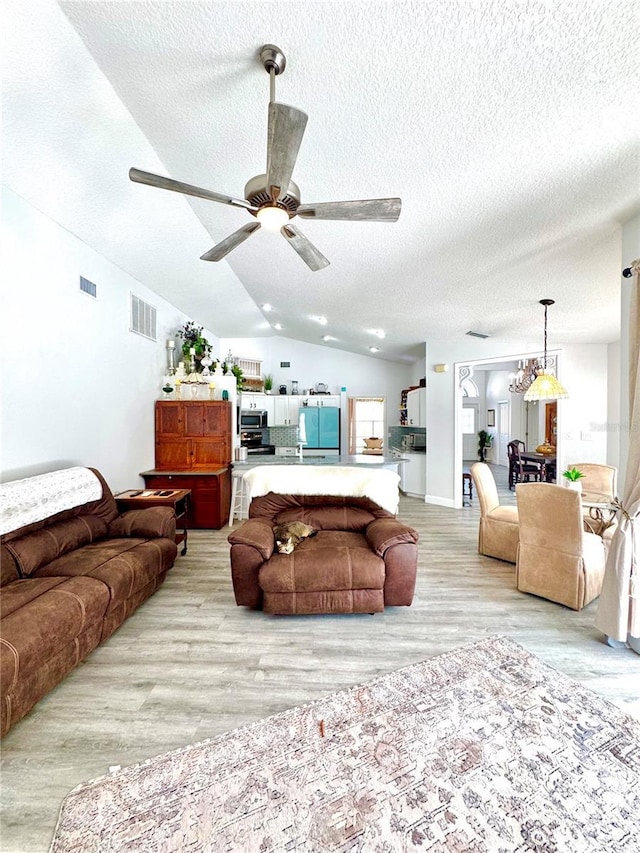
<point x="573" y="477"/>
<point x="192" y="339"/>
<point x="268" y="382"/>
<point x="485" y="441"/>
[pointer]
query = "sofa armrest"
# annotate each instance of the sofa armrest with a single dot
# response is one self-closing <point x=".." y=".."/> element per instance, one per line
<point x="255" y="533"/>
<point x="153" y="522"/>
<point x="384" y="533"/>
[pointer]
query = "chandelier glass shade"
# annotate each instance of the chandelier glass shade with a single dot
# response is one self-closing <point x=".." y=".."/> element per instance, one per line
<point x="545" y="386"/>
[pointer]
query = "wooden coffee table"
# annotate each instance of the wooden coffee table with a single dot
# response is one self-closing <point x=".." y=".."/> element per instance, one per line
<point x="176" y="498"/>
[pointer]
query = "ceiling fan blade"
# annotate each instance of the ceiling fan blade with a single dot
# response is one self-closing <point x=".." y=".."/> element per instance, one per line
<point x="225" y="246"/>
<point x="152" y="180"/>
<point x="312" y="257"/>
<point x="374" y="209"/>
<point x="286" y="129"/>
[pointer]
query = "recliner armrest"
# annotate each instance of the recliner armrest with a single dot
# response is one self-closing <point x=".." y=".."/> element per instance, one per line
<point x="153" y="522"/>
<point x="257" y="534"/>
<point x="384" y="533"/>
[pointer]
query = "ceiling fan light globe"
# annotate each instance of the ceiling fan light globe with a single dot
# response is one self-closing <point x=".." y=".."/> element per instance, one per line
<point x="272" y="218"/>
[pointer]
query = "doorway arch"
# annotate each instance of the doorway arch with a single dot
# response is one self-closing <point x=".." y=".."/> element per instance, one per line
<point x="471" y="370"/>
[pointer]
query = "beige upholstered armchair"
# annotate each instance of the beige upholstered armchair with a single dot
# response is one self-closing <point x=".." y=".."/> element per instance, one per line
<point x="598" y="480"/>
<point x="557" y="559"/>
<point x="498" y="531"/>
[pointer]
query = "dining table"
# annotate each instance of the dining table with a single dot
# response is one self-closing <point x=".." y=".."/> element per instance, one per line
<point x="546" y="461"/>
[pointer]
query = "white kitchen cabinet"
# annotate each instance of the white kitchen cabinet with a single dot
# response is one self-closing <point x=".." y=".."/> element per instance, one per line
<point x="417" y="407"/>
<point x="413" y="475"/>
<point x="285" y="410"/>
<point x="317" y="400"/>
<point x="259" y="402"/>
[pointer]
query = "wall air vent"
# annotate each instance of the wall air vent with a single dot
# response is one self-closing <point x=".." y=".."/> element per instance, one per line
<point x="88" y="287"/>
<point x="477" y="335"/>
<point x="143" y="318"/>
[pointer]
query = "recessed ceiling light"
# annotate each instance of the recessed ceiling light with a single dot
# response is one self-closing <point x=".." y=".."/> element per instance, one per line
<point x="374" y="349"/>
<point x="322" y="320"/>
<point x="379" y="333"/>
<point x="328" y="338"/>
<point x="277" y="326"/>
<point x="266" y="307"/>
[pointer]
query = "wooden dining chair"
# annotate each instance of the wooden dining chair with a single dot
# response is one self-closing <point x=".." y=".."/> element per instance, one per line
<point x="519" y="470"/>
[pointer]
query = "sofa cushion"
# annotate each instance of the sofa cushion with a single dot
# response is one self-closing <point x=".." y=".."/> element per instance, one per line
<point x="41" y="547"/>
<point x="124" y="565"/>
<point x="41" y="616"/>
<point x="147" y="523"/>
<point x="350" y="518"/>
<point x="48" y="626"/>
<point x="272" y="505"/>
<point x="331" y="560"/>
<point x="8" y="566"/>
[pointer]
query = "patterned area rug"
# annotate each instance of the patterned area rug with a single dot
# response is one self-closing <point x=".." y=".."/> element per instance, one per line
<point x="482" y="749"/>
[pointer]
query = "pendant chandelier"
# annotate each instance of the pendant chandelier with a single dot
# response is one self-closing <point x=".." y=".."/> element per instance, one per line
<point x="523" y="379"/>
<point x="545" y="386"/>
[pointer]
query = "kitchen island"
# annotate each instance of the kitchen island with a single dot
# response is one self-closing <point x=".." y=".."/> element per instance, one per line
<point x="284" y="469"/>
<point x="356" y="460"/>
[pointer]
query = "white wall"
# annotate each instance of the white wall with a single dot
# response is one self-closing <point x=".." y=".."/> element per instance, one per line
<point x="583" y="372"/>
<point x="78" y="388"/>
<point x="361" y="375"/>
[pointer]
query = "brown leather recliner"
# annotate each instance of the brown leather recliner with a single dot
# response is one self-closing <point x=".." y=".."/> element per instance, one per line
<point x="361" y="559"/>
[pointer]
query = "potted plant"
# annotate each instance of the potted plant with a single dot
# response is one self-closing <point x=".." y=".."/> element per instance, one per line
<point x="572" y="479"/>
<point x="268" y="383"/>
<point x="237" y="372"/>
<point x="485" y="441"/>
<point x="192" y="339"/>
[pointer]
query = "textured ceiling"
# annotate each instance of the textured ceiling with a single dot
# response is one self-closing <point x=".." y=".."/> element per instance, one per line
<point x="509" y="129"/>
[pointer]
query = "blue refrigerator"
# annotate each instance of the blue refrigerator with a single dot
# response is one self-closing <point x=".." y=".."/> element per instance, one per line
<point x="320" y="427"/>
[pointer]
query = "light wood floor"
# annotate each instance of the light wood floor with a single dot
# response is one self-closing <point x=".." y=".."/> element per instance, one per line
<point x="189" y="664"/>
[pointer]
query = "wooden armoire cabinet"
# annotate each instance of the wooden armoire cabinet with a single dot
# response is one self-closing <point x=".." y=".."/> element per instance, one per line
<point x="192" y="435"/>
<point x="193" y="451"/>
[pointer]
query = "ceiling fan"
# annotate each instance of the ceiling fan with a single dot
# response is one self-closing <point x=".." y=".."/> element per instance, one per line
<point x="273" y="199"/>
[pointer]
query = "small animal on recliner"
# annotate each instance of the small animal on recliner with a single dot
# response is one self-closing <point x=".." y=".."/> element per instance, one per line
<point x="289" y="535"/>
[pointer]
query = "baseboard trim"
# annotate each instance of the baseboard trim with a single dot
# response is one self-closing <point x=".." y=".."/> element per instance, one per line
<point x="437" y="501"/>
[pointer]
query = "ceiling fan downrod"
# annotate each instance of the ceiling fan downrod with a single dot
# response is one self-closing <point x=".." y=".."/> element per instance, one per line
<point x="274" y="62"/>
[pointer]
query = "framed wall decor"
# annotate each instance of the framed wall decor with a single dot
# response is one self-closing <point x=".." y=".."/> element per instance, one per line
<point x="491" y="417"/>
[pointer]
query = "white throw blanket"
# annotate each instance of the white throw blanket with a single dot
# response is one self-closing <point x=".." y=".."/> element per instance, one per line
<point x="377" y="484"/>
<point x="33" y="499"/>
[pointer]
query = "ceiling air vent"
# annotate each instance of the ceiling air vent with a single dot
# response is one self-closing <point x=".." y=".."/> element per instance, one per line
<point x="477" y="335"/>
<point x="143" y="318"/>
<point x="88" y="287"/>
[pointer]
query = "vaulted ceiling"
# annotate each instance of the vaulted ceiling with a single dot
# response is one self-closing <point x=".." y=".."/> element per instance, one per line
<point x="509" y="130"/>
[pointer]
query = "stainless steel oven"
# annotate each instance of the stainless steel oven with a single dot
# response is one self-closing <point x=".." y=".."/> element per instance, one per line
<point x="252" y="419"/>
<point x="251" y="439"/>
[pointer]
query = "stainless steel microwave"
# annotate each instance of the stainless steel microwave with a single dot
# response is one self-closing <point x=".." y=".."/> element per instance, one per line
<point x="253" y="419"/>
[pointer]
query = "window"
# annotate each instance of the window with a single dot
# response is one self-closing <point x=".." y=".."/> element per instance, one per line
<point x="366" y="420"/>
<point x="469" y="420"/>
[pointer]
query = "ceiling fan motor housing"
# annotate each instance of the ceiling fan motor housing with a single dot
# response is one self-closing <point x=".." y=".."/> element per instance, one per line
<point x="255" y="192"/>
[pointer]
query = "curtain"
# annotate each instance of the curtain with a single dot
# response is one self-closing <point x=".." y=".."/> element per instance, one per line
<point x="618" y="614"/>
<point x="351" y="403"/>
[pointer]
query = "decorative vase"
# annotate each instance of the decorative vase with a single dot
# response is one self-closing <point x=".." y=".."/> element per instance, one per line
<point x="574" y="485"/>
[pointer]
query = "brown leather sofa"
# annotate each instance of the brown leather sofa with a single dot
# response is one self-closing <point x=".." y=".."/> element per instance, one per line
<point x="68" y="582"/>
<point x="361" y="559"/>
